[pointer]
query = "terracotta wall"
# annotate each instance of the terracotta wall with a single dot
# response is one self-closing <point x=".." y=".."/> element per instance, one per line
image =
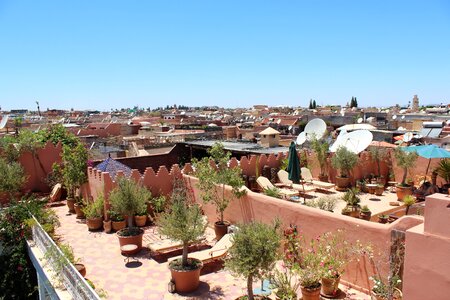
<point x="38" y="166"/>
<point x="427" y="263"/>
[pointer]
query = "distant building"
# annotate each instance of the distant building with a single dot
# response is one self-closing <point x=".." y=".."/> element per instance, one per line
<point x="415" y="104"/>
<point x="269" y="137"/>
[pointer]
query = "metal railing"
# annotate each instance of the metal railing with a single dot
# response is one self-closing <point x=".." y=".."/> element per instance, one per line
<point x="72" y="280"/>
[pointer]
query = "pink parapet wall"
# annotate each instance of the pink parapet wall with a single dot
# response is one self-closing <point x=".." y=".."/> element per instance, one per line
<point x="427" y="259"/>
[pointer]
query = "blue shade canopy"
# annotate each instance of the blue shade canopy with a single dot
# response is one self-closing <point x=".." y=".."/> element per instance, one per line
<point x="293" y="164"/>
<point x="428" y="151"/>
<point x="112" y="167"/>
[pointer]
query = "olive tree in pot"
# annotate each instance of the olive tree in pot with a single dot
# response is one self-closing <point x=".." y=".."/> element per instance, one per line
<point x="405" y="160"/>
<point x="254" y="252"/>
<point x="378" y="154"/>
<point x="128" y="198"/>
<point x="184" y="222"/>
<point x="212" y="182"/>
<point x="11" y="180"/>
<point x="321" y="148"/>
<point x="74" y="171"/>
<point x="345" y="161"/>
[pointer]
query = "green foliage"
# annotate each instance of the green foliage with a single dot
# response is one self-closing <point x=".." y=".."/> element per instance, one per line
<point x="184" y="221"/>
<point x="28" y="141"/>
<point x="18" y="276"/>
<point x="115" y="216"/>
<point x="365" y="209"/>
<point x="7" y="149"/>
<point x="94" y="209"/>
<point x="128" y="197"/>
<point x="272" y="192"/>
<point x="12" y="177"/>
<point x="254" y="251"/>
<point x="57" y="133"/>
<point x="353" y="102"/>
<point x="321" y="147"/>
<point x="405" y="160"/>
<point x="351" y="197"/>
<point x="212" y="181"/>
<point x="74" y="167"/>
<point x="326" y="203"/>
<point x="159" y="204"/>
<point x="378" y="154"/>
<point x="443" y="169"/>
<point x="344" y="160"/>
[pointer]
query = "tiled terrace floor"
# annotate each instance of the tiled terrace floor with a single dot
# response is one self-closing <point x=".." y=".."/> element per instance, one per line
<point x="106" y="268"/>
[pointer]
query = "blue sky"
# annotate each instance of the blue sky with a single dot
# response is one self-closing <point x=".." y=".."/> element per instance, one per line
<point x="112" y="54"/>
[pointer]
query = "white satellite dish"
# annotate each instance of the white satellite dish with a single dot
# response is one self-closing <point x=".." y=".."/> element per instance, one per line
<point x="279" y="121"/>
<point x="403" y="117"/>
<point x="130" y="122"/>
<point x="408" y="136"/>
<point x="359" y="121"/>
<point x="394" y="117"/>
<point x="339" y="138"/>
<point x="290" y="127"/>
<point x="342" y="112"/>
<point x="355" y="141"/>
<point x="315" y="128"/>
<point x="4" y="121"/>
<point x="301" y="138"/>
<point x="387" y="111"/>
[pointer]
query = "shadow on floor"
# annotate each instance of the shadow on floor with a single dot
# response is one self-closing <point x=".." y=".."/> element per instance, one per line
<point x="204" y="291"/>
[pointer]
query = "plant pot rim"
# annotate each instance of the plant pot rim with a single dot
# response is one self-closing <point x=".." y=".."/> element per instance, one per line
<point x="222" y="223"/>
<point x="141" y="232"/>
<point x="311" y="289"/>
<point x="94" y="218"/>
<point x="199" y="263"/>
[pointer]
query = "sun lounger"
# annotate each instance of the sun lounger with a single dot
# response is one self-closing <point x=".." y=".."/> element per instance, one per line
<point x="307" y="177"/>
<point x="265" y="184"/>
<point x="218" y="251"/>
<point x="164" y="246"/>
<point x="283" y="176"/>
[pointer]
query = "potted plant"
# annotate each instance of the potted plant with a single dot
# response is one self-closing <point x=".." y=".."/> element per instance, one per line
<point x="443" y="170"/>
<point x="94" y="214"/>
<point x="383" y="218"/>
<point x="156" y="205"/>
<point x="346" y="211"/>
<point x="183" y="222"/>
<point x="272" y="192"/>
<point x="408" y="201"/>
<point x="365" y="213"/>
<point x="117" y="220"/>
<point x="285" y="284"/>
<point x="127" y="198"/>
<point x="345" y="161"/>
<point x="140" y="218"/>
<point x="78" y="207"/>
<point x="321" y="147"/>
<point x="379" y="189"/>
<point x="212" y="182"/>
<point x="11" y="180"/>
<point x="254" y="252"/>
<point x="405" y="160"/>
<point x="352" y="199"/>
<point x="74" y="171"/>
<point x="362" y="185"/>
<point x="378" y="154"/>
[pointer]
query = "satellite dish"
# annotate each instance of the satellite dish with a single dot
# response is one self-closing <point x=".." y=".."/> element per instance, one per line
<point x="301" y="138"/>
<point x="394" y="117"/>
<point x="403" y="117"/>
<point x="4" y="121"/>
<point x="130" y="122"/>
<point x="342" y="112"/>
<point x="355" y="141"/>
<point x="339" y="138"/>
<point x="359" y="120"/>
<point x="407" y="136"/>
<point x="290" y="127"/>
<point x="387" y="111"/>
<point x="315" y="128"/>
<point x="279" y="121"/>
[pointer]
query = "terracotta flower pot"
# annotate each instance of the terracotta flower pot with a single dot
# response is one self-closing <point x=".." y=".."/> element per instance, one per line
<point x="403" y="191"/>
<point x="94" y="223"/>
<point x="186" y="280"/>
<point x="118" y="225"/>
<point x="365" y="215"/>
<point x="310" y="294"/>
<point x="81" y="269"/>
<point x="71" y="205"/>
<point x="330" y="286"/>
<point x="79" y="211"/>
<point x="323" y="178"/>
<point x="135" y="238"/>
<point x="140" y="220"/>
<point x="383" y="220"/>
<point x="342" y="183"/>
<point x="221" y="229"/>
<point x="379" y="190"/>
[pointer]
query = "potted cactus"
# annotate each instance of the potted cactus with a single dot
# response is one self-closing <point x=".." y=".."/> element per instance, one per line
<point x="365" y="213"/>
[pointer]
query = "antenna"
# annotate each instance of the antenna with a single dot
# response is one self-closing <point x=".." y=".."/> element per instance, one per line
<point x="359" y="120"/>
<point x="315" y="128"/>
<point x="301" y="138"/>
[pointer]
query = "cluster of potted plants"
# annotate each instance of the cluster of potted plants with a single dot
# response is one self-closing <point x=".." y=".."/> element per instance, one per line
<point x="405" y="160"/>
<point x="351" y="197"/>
<point x="321" y="147"/>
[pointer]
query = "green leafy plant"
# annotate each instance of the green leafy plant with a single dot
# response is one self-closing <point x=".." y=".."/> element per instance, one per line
<point x="321" y="147"/>
<point x="254" y="252"/>
<point x="408" y="201"/>
<point x="378" y="154"/>
<point x="405" y="160"/>
<point x="182" y="222"/>
<point x="308" y="268"/>
<point x="285" y="283"/>
<point x="158" y="203"/>
<point x="74" y="167"/>
<point x="12" y="177"/>
<point x="94" y="209"/>
<point x="344" y="160"/>
<point x="272" y="192"/>
<point x="212" y="181"/>
<point x="115" y="216"/>
<point x="443" y="170"/>
<point x="351" y="197"/>
<point x="365" y="209"/>
<point x="128" y="197"/>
